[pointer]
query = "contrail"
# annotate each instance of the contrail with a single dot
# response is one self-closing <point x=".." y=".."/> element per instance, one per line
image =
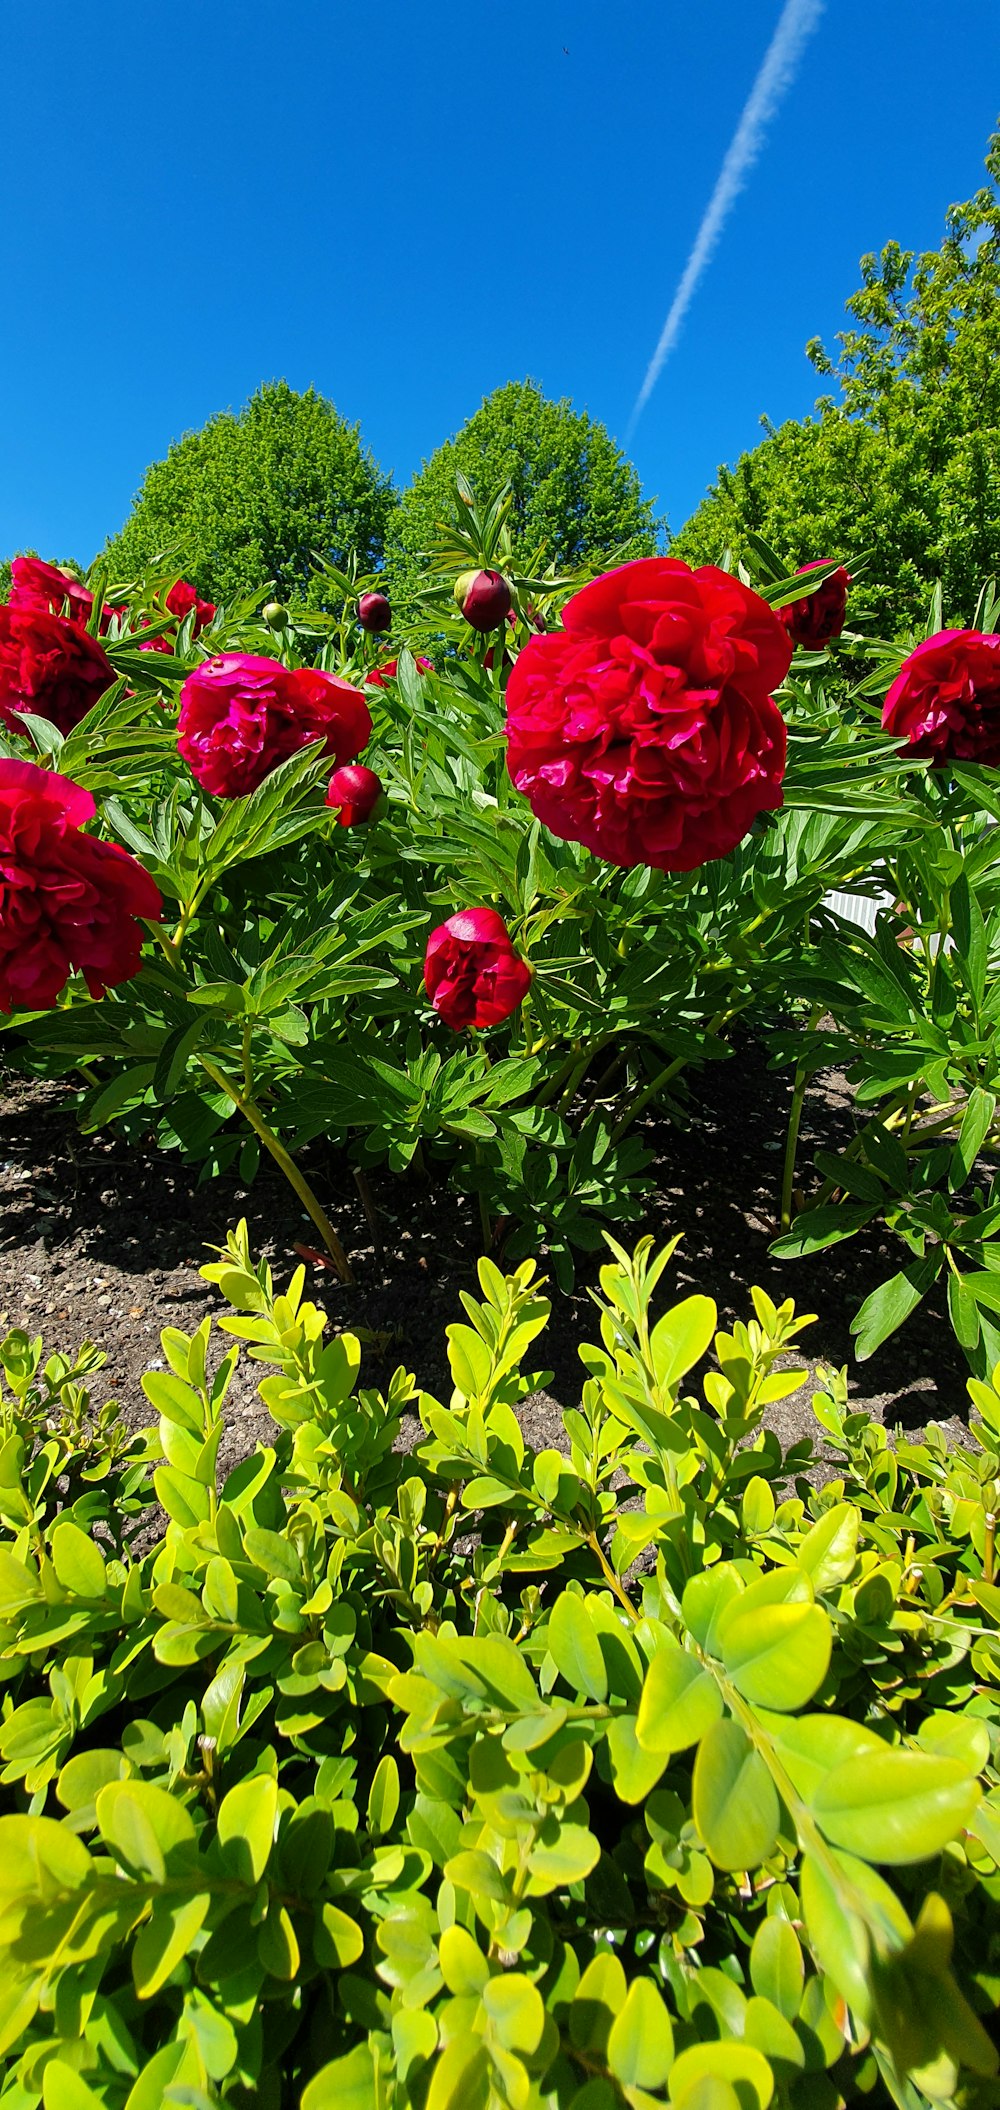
<point x="797" y="21"/>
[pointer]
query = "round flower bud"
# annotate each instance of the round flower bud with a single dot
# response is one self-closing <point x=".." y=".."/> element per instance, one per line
<point x="484" y="598"/>
<point x="276" y="615"/>
<point x="374" y="613"/>
<point x="356" y="793"/>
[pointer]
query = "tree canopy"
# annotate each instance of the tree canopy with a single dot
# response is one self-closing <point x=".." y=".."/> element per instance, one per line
<point x="902" y="461"/>
<point x="576" y="497"/>
<point x="251" y="496"/>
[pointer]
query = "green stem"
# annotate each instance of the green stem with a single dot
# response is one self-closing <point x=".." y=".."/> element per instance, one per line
<point x="794" y="1124"/>
<point x="282" y="1158"/>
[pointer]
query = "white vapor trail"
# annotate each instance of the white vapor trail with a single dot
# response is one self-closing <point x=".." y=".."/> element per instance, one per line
<point x="797" y="21"/>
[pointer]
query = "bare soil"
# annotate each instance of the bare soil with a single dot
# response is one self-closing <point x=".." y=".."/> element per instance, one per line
<point x="102" y="1240"/>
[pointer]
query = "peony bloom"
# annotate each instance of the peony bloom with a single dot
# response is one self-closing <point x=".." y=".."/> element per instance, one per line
<point x="67" y="900"/>
<point x="50" y="666"/>
<point x="374" y="613"/>
<point x="240" y="716"/>
<point x="48" y="589"/>
<point x="179" y="602"/>
<point x="472" y="974"/>
<point x="386" y="671"/>
<point x="945" y="700"/>
<point x="819" y="618"/>
<point x="483" y="598"/>
<point x="355" y="792"/>
<point x="646" y="728"/>
<point x="182" y="598"/>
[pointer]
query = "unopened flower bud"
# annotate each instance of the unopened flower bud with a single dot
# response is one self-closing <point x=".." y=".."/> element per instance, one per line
<point x="374" y="613"/>
<point x="484" y="598"/>
<point x="276" y="615"/>
<point x="356" y="792"/>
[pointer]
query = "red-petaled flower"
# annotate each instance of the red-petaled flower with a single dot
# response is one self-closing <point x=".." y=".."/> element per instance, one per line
<point x="50" y="666"/>
<point x="35" y="584"/>
<point x="945" y="700"/>
<point x="354" y="791"/>
<point x="182" y="598"/>
<point x="240" y="716"/>
<point x="179" y="602"/>
<point x="646" y="728"/>
<point x="472" y="974"/>
<point x="386" y="670"/>
<point x="819" y="617"/>
<point x="67" y="900"/>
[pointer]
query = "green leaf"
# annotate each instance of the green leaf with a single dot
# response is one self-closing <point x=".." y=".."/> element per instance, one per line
<point x="65" y="2089"/>
<point x="886" y="1309"/>
<point x="818" y="1228"/>
<point x="148" y="1830"/>
<point x="895" y="1806"/>
<point x="165" y="1940"/>
<point x="574" y="1647"/>
<point x="778" y="1654"/>
<point x="771" y="2032"/>
<point x="246" y="1826"/>
<point x="828" y="1552"/>
<point x="383" y="1799"/>
<point x="976" y="1123"/>
<point x="573" y="1855"/>
<point x="337" y="1939"/>
<point x="460" y="2080"/>
<point x="745" y="2070"/>
<point x="516" y="2012"/>
<point x="78" y="1564"/>
<point x="681" y="1338"/>
<point x="641" y="2043"/>
<point x="734" y="1802"/>
<point x="464" y="1968"/>
<point x="680" y="1701"/>
<point x="777" y="1971"/>
<point x="345" y="2084"/>
<point x="633" y="1771"/>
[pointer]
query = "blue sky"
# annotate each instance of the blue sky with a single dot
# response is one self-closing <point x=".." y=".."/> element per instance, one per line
<point x="407" y="205"/>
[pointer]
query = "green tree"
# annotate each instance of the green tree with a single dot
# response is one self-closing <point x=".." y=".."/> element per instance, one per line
<point x="250" y="497"/>
<point x="576" y="498"/>
<point x="903" y="461"/>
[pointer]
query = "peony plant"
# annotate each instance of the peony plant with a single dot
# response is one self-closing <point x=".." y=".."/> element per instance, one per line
<point x="476" y="920"/>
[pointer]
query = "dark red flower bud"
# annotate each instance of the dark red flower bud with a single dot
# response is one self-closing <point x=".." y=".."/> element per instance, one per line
<point x="355" y="791"/>
<point x="374" y="613"/>
<point x="818" y="618"/>
<point x="484" y="598"/>
<point x="472" y="974"/>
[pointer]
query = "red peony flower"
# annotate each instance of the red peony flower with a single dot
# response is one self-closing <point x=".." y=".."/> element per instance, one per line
<point x="819" y="618"/>
<point x="472" y="974"/>
<point x="240" y="716"/>
<point x="67" y="900"/>
<point x="179" y="602"/>
<point x="45" y="587"/>
<point x="182" y="598"/>
<point x="386" y="671"/>
<point x="945" y="700"/>
<point x="50" y="666"/>
<point x="646" y="728"/>
<point x="355" y="791"/>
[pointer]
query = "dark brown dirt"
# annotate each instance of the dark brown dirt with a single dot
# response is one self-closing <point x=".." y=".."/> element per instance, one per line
<point x="100" y="1240"/>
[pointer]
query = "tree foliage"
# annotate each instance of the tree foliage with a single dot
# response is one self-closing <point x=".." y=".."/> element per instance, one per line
<point x="903" y="461"/>
<point x="576" y="498"/>
<point x="251" y="497"/>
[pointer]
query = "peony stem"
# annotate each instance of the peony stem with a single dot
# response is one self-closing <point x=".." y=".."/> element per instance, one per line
<point x="283" y="1158"/>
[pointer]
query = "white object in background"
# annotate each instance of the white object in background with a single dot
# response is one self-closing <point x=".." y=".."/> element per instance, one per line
<point x="862" y="909"/>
